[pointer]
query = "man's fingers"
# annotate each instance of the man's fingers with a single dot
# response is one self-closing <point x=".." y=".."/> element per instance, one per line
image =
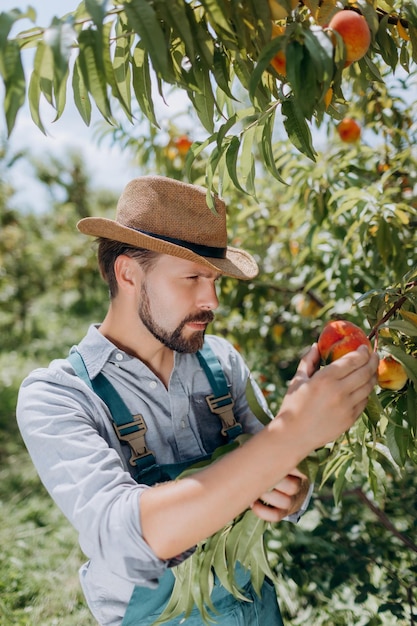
<point x="310" y="362"/>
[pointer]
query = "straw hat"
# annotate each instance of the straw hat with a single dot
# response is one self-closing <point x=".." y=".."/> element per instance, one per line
<point x="172" y="217"/>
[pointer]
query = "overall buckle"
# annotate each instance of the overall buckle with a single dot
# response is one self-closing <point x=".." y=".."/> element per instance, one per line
<point x="133" y="433"/>
<point x="223" y="407"/>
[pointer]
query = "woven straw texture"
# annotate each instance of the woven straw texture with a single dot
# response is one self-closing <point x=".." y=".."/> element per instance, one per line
<point x="171" y="208"/>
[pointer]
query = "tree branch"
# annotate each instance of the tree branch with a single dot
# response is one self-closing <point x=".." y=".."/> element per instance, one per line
<point x="383" y="518"/>
<point x="397" y="305"/>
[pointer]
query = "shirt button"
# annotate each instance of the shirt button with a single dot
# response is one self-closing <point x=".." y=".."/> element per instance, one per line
<point x="153" y="384"/>
<point x="119" y="356"/>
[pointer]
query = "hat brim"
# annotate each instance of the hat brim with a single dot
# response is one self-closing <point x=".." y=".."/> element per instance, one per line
<point x="237" y="263"/>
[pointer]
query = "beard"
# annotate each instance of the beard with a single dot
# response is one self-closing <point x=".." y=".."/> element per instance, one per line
<point x="173" y="340"/>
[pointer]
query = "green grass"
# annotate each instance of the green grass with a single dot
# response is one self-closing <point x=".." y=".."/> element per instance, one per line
<point x="39" y="557"/>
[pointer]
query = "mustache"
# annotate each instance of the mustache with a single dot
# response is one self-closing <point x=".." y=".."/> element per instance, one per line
<point x="205" y="317"/>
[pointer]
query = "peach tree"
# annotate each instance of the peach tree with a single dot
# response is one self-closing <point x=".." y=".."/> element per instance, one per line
<point x="332" y="223"/>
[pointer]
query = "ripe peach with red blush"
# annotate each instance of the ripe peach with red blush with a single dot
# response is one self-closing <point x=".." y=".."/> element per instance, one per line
<point x="183" y="144"/>
<point x="349" y="130"/>
<point x="279" y="61"/>
<point x="354" y="30"/>
<point x="339" y="337"/>
<point x="391" y="374"/>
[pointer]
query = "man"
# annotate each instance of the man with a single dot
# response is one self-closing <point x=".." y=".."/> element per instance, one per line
<point x="161" y="258"/>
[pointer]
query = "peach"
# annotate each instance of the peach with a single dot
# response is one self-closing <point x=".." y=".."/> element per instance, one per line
<point x="339" y="337"/>
<point x="349" y="130"/>
<point x="279" y="61"/>
<point x="354" y="30"/>
<point x="183" y="144"/>
<point x="391" y="374"/>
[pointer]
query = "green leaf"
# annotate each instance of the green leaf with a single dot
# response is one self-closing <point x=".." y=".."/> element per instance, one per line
<point x="374" y="409"/>
<point x="406" y="328"/>
<point x="297" y="128"/>
<point x="93" y="71"/>
<point x="122" y="72"/>
<point x="339" y="483"/>
<point x="254" y="405"/>
<point x="202" y="97"/>
<point x="142" y="19"/>
<point x="320" y="48"/>
<point x="396" y="438"/>
<point x="310" y="466"/>
<point x="7" y="20"/>
<point x="266" y="146"/>
<point x="142" y="85"/>
<point x="336" y="464"/>
<point x="61" y="96"/>
<point x="97" y="10"/>
<point x="212" y="164"/>
<point x="411" y="413"/>
<point x="81" y="97"/>
<point x="59" y="37"/>
<point x="177" y="14"/>
<point x="387" y="47"/>
<point x="34" y="91"/>
<point x="263" y="62"/>
<point x="218" y="16"/>
<point x="221" y="72"/>
<point x="232" y="154"/>
<point x="220" y="563"/>
<point x="247" y="159"/>
<point x="14" y="82"/>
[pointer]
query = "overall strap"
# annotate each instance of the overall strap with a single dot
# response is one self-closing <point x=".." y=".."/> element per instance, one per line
<point x="129" y="428"/>
<point x="132" y="428"/>
<point x="220" y="402"/>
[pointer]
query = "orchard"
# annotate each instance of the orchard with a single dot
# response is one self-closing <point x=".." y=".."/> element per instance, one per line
<point x="303" y="116"/>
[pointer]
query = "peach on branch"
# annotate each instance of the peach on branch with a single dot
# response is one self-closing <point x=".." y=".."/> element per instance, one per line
<point x="339" y="337"/>
<point x="183" y="144"/>
<point x="354" y="30"/>
<point x="391" y="374"/>
<point x="279" y="61"/>
<point x="349" y="130"/>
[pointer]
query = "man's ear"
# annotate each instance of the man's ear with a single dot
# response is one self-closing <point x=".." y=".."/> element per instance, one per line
<point x="128" y="272"/>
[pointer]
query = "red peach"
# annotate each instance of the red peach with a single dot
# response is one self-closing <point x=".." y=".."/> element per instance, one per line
<point x="183" y="144"/>
<point x="391" y="374"/>
<point x="279" y="61"/>
<point x="339" y="337"/>
<point x="349" y="130"/>
<point x="354" y="30"/>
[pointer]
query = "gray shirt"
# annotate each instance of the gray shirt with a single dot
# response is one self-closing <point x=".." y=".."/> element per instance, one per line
<point x="69" y="434"/>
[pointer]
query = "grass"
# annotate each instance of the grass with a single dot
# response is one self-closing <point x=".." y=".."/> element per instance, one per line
<point x="40" y="557"/>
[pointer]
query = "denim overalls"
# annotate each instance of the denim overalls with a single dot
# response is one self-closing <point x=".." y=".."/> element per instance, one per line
<point x="146" y="605"/>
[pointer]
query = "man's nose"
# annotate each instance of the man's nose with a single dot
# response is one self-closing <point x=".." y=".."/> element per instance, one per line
<point x="208" y="297"/>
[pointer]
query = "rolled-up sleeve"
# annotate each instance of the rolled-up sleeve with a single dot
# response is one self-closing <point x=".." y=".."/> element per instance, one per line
<point x="69" y="438"/>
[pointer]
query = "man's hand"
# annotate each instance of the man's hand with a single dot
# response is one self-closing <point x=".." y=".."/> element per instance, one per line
<point x="284" y="499"/>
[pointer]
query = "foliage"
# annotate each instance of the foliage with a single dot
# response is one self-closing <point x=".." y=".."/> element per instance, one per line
<point x="218" y="53"/>
<point x="332" y="226"/>
<point x="354" y="563"/>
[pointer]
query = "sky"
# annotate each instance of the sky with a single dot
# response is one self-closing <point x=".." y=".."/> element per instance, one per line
<point x="107" y="166"/>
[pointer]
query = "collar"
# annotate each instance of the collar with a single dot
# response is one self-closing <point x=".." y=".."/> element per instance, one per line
<point x="95" y="350"/>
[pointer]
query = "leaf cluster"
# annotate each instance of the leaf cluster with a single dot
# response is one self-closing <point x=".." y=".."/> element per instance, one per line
<point x="218" y="54"/>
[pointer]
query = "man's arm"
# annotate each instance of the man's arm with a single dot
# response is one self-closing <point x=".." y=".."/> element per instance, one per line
<point x="177" y="515"/>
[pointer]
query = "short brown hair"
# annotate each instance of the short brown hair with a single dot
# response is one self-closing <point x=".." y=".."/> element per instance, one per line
<point x="107" y="253"/>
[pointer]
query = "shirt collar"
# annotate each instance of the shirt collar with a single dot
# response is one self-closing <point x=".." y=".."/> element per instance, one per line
<point x="95" y="350"/>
